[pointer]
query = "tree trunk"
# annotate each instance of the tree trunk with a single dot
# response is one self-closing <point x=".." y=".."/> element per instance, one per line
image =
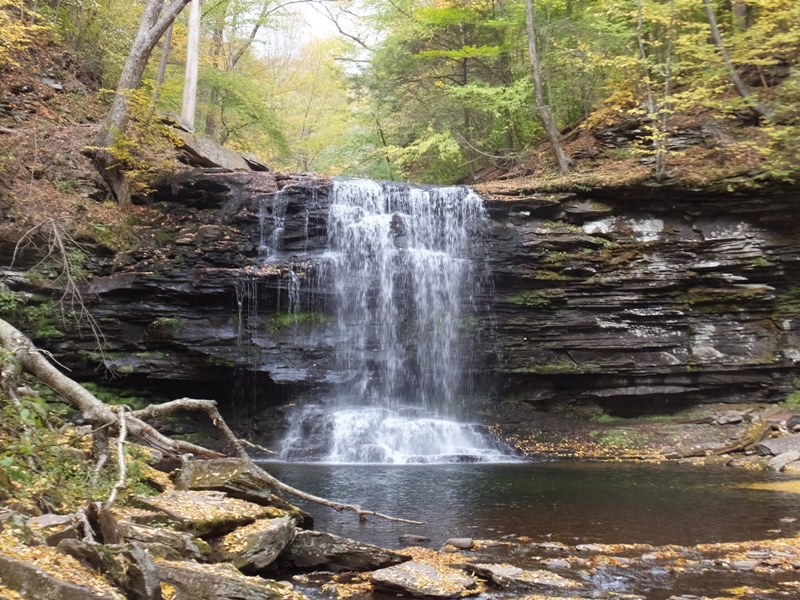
<point x="545" y="112"/>
<point x="162" y="65"/>
<point x="151" y="28"/>
<point x="188" y="108"/>
<point x="757" y="108"/>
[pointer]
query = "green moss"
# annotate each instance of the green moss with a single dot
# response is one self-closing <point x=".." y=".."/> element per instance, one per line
<point x="174" y="324"/>
<point x="117" y="396"/>
<point x="548" y="275"/>
<point x="537" y="297"/>
<point x="561" y="226"/>
<point x="281" y="321"/>
<point x="218" y="361"/>
<point x="557" y="257"/>
<point x="150" y="355"/>
<point x="788" y="302"/>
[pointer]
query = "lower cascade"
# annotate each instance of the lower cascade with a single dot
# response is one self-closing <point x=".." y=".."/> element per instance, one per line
<point x="405" y="272"/>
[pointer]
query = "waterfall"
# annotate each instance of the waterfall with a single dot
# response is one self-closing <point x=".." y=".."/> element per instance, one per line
<point x="403" y="269"/>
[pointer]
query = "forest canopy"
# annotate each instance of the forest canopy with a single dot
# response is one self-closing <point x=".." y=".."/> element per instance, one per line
<point x="441" y="90"/>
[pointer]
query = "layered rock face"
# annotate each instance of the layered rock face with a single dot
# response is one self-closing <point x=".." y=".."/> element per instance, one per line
<point x="635" y="299"/>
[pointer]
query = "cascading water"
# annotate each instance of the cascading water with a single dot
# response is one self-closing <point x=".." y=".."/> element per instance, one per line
<point x="401" y="265"/>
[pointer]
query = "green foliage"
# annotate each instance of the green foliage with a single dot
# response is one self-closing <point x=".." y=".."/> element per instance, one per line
<point x="48" y="461"/>
<point x="116" y="396"/>
<point x="144" y="151"/>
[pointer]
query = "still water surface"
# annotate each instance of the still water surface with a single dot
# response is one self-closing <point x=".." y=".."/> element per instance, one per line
<point x="569" y="502"/>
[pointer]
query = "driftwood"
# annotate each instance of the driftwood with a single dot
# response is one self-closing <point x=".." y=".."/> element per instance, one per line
<point x="100" y="415"/>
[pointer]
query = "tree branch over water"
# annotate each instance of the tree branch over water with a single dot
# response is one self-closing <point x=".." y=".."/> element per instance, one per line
<point x="99" y="414"/>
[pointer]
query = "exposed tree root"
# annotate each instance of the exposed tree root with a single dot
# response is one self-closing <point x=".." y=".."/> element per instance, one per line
<point x="101" y="415"/>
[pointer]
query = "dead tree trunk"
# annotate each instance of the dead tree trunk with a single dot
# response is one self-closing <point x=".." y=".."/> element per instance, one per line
<point x="545" y="111"/>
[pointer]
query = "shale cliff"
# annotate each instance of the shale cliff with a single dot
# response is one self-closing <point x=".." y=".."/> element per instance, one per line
<point x="634" y="299"/>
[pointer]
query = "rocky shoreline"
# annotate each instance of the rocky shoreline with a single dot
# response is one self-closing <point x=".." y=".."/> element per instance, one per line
<point x="214" y="533"/>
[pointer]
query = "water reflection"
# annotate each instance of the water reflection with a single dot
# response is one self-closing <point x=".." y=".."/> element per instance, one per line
<point x="569" y="502"/>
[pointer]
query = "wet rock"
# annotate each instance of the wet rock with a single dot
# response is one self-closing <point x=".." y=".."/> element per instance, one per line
<point x="552" y="546"/>
<point x="588" y="548"/>
<point x="778" y="462"/>
<point x="128" y="566"/>
<point x="413" y="540"/>
<point x="315" y="549"/>
<point x="421" y="580"/>
<point x="509" y="576"/>
<point x="192" y="581"/>
<point x="233" y="476"/>
<point x="183" y="544"/>
<point x="30" y="581"/>
<point x="461" y="543"/>
<point x="777" y="446"/>
<point x="557" y="563"/>
<point x="256" y="546"/>
<point x="744" y="565"/>
<point x="204" y="513"/>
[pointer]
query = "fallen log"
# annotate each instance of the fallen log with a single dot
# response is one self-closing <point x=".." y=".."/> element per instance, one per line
<point x="98" y="414"/>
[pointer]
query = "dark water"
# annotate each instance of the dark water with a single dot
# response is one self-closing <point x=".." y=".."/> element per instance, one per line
<point x="567" y="502"/>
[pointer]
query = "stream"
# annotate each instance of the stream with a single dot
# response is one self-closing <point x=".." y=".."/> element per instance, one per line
<point x="532" y="508"/>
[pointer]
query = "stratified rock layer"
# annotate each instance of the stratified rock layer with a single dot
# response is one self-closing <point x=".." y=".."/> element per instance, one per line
<point x="631" y="299"/>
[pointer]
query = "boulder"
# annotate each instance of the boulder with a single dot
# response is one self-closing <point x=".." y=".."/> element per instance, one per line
<point x="413" y="540"/>
<point x="427" y="581"/>
<point x="205" y="513"/>
<point x="182" y="544"/>
<point x="776" y="446"/>
<point x="202" y="151"/>
<point x="255" y="546"/>
<point x="315" y="549"/>
<point x="238" y="479"/>
<point x="461" y="543"/>
<point x="63" y="581"/>
<point x="509" y="576"/>
<point x="234" y="476"/>
<point x="129" y="566"/>
<point x="192" y="581"/>
<point x="777" y="463"/>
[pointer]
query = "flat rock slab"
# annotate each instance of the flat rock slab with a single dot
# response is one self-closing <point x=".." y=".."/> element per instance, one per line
<point x="777" y="463"/>
<point x="509" y="576"/>
<point x="192" y="581"/>
<point x="234" y="476"/>
<point x="425" y="581"/>
<point x="183" y="544"/>
<point x="776" y="446"/>
<point x="256" y="546"/>
<point x="205" y="152"/>
<point x="317" y="549"/>
<point x="203" y="513"/>
<point x="30" y="581"/>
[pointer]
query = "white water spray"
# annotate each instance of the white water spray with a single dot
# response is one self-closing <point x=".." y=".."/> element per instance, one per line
<point x="401" y="263"/>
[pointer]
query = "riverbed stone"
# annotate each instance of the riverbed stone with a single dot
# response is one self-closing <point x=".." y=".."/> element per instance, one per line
<point x="461" y="543"/>
<point x="776" y="446"/>
<point x="744" y="565"/>
<point x="30" y="581"/>
<point x="780" y="461"/>
<point x="255" y="546"/>
<point x="413" y="540"/>
<point x="315" y="549"/>
<point x="426" y="581"/>
<point x="234" y="476"/>
<point x="205" y="512"/>
<point x="192" y="581"/>
<point x="184" y="544"/>
<point x="509" y="576"/>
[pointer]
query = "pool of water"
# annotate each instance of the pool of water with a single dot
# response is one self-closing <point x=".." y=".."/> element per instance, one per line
<point x="569" y="502"/>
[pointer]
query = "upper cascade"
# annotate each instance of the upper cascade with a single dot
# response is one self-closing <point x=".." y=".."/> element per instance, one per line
<point x="404" y="266"/>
